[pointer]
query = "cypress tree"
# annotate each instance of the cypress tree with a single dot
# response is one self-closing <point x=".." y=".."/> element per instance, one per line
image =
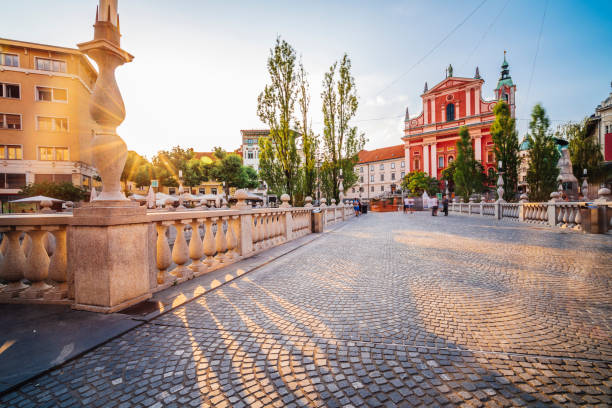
<point x="543" y="157"/>
<point x="505" y="138"/>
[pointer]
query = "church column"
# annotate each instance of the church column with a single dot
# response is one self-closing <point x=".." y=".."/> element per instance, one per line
<point x="468" y="104"/>
<point x="426" y="158"/>
<point x="434" y="160"/>
<point x="477" y="101"/>
<point x="478" y="147"/>
<point x="407" y="159"/>
<point x="425" y="110"/>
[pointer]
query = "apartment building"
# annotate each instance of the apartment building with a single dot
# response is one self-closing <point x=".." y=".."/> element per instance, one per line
<point x="378" y="171"/>
<point x="45" y="126"/>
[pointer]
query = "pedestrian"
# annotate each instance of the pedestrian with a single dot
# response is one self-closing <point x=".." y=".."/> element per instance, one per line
<point x="411" y="205"/>
<point x="434" y="206"/>
<point x="445" y="205"/>
<point x="356" y="207"/>
<point x="406" y="204"/>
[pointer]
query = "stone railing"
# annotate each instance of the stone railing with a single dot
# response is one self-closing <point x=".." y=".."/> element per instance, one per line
<point x="510" y="210"/>
<point x="554" y="213"/>
<point x="44" y="259"/>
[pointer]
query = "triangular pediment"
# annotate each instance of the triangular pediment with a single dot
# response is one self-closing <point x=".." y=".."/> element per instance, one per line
<point x="453" y="82"/>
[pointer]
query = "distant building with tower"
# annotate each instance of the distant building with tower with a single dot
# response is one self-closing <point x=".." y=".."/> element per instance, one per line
<point x="430" y="139"/>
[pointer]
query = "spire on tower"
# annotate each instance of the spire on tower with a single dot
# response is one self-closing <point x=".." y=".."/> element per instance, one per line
<point x="426" y="89"/>
<point x="407" y="115"/>
<point x="477" y="74"/>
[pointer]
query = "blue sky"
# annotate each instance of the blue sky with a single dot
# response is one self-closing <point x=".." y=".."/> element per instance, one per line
<point x="200" y="65"/>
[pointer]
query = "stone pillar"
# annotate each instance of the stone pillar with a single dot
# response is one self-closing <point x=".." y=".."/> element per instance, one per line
<point x="407" y="158"/>
<point x="426" y="158"/>
<point x="434" y="160"/>
<point x="478" y="147"/>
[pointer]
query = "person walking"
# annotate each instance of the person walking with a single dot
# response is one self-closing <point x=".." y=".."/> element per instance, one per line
<point x="445" y="205"/>
<point x="357" y="208"/>
<point x="434" y="206"/>
<point x="406" y="204"/>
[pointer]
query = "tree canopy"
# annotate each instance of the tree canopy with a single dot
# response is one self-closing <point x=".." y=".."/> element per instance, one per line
<point x="505" y="139"/>
<point x="543" y="157"/>
<point x="417" y="182"/>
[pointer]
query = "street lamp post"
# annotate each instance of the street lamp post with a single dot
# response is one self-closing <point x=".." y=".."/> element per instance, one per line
<point x="585" y="185"/>
<point x="500" y="182"/>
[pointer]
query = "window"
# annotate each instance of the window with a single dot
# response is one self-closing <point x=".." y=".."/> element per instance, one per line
<point x="450" y="159"/>
<point x="45" y="64"/>
<point x="382" y="166"/>
<point x="361" y="169"/>
<point x="213" y="191"/>
<point x="417" y="164"/>
<point x="382" y="188"/>
<point x="440" y="162"/>
<point x="12" y="180"/>
<point x="45" y="153"/>
<point x="382" y="177"/>
<point x="490" y="157"/>
<point x="361" y="189"/>
<point x="171" y="190"/>
<point x="201" y="191"/>
<point x="10" y="60"/>
<point x="12" y="91"/>
<point x="372" y="178"/>
<point x="403" y="175"/>
<point x="403" y="165"/>
<point x="392" y="165"/>
<point x="249" y="155"/>
<point x="61" y="154"/>
<point x="51" y="94"/>
<point x="52" y="124"/>
<point x="372" y="189"/>
<point x="10" y="152"/>
<point x="372" y="167"/>
<point x="450" y="112"/>
<point x="392" y="176"/>
<point x="8" y="121"/>
<point x="361" y="179"/>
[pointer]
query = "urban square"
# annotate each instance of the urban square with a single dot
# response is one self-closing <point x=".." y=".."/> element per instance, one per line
<point x="306" y="204"/>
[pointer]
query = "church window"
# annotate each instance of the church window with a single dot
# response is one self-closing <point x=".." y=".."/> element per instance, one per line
<point x="450" y="159"/>
<point x="440" y="161"/>
<point x="490" y="157"/>
<point x="416" y="164"/>
<point x="450" y="112"/>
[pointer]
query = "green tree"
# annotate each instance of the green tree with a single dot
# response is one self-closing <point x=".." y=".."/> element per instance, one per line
<point x="309" y="140"/>
<point x="275" y="107"/>
<point x="585" y="151"/>
<point x="143" y="175"/>
<point x="132" y="164"/>
<point x="341" y="141"/>
<point x="505" y="138"/>
<point x="62" y="191"/>
<point x="468" y="176"/>
<point x="168" y="163"/>
<point x="229" y="170"/>
<point x="248" y="178"/>
<point x="543" y="156"/>
<point x="417" y="182"/>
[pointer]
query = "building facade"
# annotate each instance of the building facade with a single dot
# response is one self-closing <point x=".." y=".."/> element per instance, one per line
<point x="45" y="125"/>
<point x="250" y="146"/>
<point x="379" y="172"/>
<point x="603" y="127"/>
<point x="430" y="139"/>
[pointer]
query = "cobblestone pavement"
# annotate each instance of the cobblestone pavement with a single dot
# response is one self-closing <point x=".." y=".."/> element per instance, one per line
<point x="390" y="310"/>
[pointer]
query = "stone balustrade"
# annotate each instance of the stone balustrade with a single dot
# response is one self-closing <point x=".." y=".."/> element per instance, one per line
<point x="38" y="253"/>
<point x="554" y="213"/>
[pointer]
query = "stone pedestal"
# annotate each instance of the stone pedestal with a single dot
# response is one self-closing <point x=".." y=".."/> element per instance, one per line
<point x="108" y="254"/>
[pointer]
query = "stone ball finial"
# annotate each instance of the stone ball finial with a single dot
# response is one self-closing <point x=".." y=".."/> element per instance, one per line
<point x="308" y="201"/>
<point x="333" y="201"/>
<point x="285" y="199"/>
<point x="241" y="197"/>
<point x="603" y="195"/>
<point x="323" y="202"/>
<point x="46" y="207"/>
<point x="524" y="198"/>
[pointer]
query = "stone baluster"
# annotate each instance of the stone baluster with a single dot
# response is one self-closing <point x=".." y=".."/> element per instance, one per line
<point x="37" y="265"/>
<point x="220" y="242"/>
<point x="572" y="217"/>
<point x="578" y="219"/>
<point x="565" y="215"/>
<point x="164" y="257"/>
<point x="277" y="228"/>
<point x="558" y="215"/>
<point x="230" y="238"/>
<point x="209" y="242"/>
<point x="267" y="229"/>
<point x="180" y="251"/>
<point x="58" y="267"/>
<point x="13" y="264"/>
<point x="196" y="248"/>
<point x="262" y="230"/>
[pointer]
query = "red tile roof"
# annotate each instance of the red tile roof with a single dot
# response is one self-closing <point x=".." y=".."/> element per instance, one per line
<point x="384" y="153"/>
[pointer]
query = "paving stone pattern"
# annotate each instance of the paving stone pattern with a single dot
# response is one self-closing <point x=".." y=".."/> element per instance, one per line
<point x="390" y="310"/>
